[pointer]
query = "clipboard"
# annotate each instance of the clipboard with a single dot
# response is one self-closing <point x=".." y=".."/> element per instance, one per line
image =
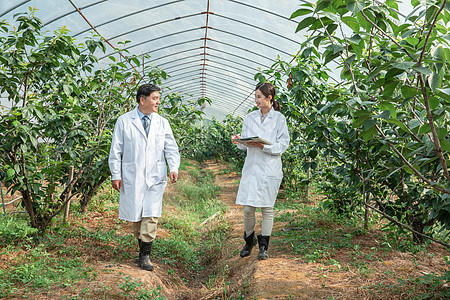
<point x="253" y="139"/>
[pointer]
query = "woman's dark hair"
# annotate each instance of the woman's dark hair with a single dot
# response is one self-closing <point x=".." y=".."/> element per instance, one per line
<point x="146" y="90"/>
<point x="267" y="90"/>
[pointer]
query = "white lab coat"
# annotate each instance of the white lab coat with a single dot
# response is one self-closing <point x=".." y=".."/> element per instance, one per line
<point x="262" y="172"/>
<point x="140" y="162"/>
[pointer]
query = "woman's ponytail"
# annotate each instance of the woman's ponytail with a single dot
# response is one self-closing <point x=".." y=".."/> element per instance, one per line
<point x="276" y="105"/>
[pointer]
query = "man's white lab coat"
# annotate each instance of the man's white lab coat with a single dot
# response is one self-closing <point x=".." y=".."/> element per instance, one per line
<point x="262" y="172"/>
<point x="140" y="162"/>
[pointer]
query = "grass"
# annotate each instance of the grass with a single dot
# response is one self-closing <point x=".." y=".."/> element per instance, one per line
<point x="337" y="243"/>
<point x="67" y="254"/>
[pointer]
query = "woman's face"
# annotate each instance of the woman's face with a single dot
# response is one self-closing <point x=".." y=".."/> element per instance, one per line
<point x="262" y="102"/>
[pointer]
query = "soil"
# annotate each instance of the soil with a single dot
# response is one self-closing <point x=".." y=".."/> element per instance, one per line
<point x="283" y="276"/>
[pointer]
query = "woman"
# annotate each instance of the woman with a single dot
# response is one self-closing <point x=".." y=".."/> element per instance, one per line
<point x="262" y="172"/>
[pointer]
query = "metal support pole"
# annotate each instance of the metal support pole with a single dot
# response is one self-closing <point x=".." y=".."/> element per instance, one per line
<point x="3" y="201"/>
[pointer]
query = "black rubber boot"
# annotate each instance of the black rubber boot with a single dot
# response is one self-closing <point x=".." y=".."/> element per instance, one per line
<point x="263" y="241"/>
<point x="250" y="241"/>
<point x="144" y="256"/>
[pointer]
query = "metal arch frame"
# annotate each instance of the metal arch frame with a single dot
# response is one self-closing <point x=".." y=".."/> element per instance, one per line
<point x="257" y="27"/>
<point x="208" y="60"/>
<point x="174" y="74"/>
<point x="175" y="78"/>
<point x="246" y="50"/>
<point x="73" y="12"/>
<point x="233" y="68"/>
<point x="154" y="24"/>
<point x="266" y="11"/>
<point x="231" y="45"/>
<point x="182" y="67"/>
<point x="13" y="8"/>
<point x="219" y="99"/>
<point x="243" y="58"/>
<point x="203" y="87"/>
<point x="219" y="92"/>
<point x="212" y="70"/>
<point x="197" y="79"/>
<point x="129" y="15"/>
<point x="158" y="38"/>
<point x="225" y="88"/>
<point x="155" y="50"/>
<point x="215" y="72"/>
<point x="202" y="90"/>
<point x="184" y="58"/>
<point x="229" y="60"/>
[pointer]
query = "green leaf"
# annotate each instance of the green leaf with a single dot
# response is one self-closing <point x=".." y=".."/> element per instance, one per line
<point x="401" y="28"/>
<point x="384" y="115"/>
<point x="67" y="89"/>
<point x="434" y="102"/>
<point x="305" y="23"/>
<point x="10" y="174"/>
<point x="355" y="39"/>
<point x="425" y="71"/>
<point x="352" y="23"/>
<point x="369" y="134"/>
<point x="355" y="6"/>
<point x="434" y="81"/>
<point x="387" y="106"/>
<point x="409" y="91"/>
<point x="393" y="72"/>
<point x="407" y="169"/>
<point x="399" y="124"/>
<point x="404" y="65"/>
<point x="445" y="144"/>
<point x="425" y="128"/>
<point x="442" y="132"/>
<point x="412" y="40"/>
<point x="300" y="12"/>
<point x="390" y="88"/>
<point x="369" y="123"/>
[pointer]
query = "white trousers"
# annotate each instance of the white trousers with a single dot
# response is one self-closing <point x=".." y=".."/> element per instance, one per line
<point x="250" y="220"/>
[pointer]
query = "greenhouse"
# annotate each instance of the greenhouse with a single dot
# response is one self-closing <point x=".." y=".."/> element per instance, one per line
<point x="224" y="149"/>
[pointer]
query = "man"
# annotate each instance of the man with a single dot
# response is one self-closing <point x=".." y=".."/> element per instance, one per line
<point x="142" y="141"/>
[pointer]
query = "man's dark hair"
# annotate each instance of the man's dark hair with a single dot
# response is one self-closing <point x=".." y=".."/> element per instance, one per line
<point x="145" y="90"/>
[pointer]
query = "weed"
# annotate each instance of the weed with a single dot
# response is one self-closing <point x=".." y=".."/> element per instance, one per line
<point x="132" y="289"/>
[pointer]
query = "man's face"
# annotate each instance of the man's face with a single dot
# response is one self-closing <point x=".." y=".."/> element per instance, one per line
<point x="151" y="102"/>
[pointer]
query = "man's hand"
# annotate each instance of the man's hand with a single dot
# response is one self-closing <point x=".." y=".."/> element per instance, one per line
<point x="173" y="177"/>
<point x="117" y="184"/>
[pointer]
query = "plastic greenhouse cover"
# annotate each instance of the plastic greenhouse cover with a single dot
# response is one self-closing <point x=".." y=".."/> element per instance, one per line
<point x="210" y="48"/>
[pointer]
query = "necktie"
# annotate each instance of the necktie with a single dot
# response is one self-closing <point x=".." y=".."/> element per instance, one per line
<point x="146" y="123"/>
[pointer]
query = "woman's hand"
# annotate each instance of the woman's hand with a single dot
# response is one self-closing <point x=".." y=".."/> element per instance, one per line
<point x="256" y="144"/>
<point x="235" y="137"/>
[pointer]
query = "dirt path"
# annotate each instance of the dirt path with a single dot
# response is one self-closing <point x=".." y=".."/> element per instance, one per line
<point x="286" y="276"/>
<point x="279" y="277"/>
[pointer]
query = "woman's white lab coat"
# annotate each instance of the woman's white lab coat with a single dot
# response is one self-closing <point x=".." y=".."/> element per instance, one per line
<point x="140" y="162"/>
<point x="262" y="172"/>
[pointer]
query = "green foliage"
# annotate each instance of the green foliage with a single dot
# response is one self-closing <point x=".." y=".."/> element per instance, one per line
<point x="36" y="268"/>
<point x="381" y="134"/>
<point x="213" y="141"/>
<point x="14" y="229"/>
<point x="314" y="237"/>
<point x="131" y="289"/>
<point x="63" y="114"/>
